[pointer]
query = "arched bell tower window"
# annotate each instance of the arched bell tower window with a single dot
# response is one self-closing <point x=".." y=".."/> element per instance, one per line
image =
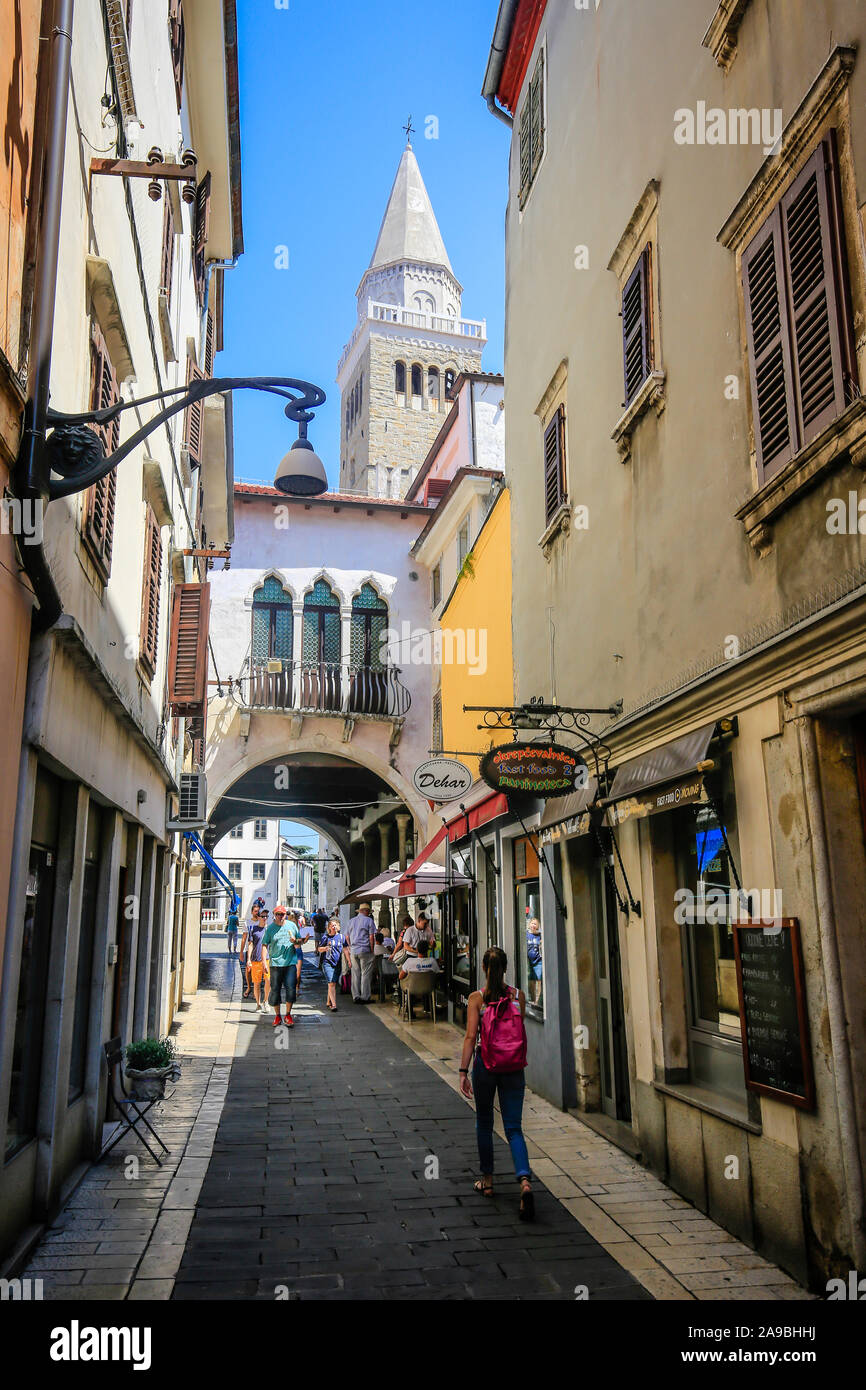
<point x="450" y="378"/>
<point x="272" y="624"/>
<point x="433" y="387"/>
<point x="400" y="378"/>
<point x="417" y="380"/>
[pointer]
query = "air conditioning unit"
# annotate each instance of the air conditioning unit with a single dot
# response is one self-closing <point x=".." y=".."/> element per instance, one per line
<point x="192" y="808"/>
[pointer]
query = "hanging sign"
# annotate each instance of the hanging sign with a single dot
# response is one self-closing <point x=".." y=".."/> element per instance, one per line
<point x="442" y="779"/>
<point x="534" y="769"/>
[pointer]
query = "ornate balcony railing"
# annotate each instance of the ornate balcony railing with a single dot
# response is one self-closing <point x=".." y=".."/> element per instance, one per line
<point x="324" y="687"/>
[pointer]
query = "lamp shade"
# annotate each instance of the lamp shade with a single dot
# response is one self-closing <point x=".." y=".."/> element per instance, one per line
<point x="301" y="472"/>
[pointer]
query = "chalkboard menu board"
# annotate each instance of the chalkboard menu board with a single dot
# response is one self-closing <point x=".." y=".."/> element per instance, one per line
<point x="776" y="1052"/>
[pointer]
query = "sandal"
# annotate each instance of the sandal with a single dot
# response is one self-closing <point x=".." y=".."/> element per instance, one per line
<point x="486" y="1188"/>
<point x="527" y="1203"/>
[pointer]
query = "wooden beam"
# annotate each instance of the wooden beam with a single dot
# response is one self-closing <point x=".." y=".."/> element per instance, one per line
<point x="137" y="169"/>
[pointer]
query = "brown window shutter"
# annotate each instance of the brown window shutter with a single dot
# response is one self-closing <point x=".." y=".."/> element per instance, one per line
<point x="536" y="105"/>
<point x="525" y="147"/>
<point x="769" y="344"/>
<point x="636" y="328"/>
<point x="201" y="232"/>
<point x="97" y="518"/>
<point x="149" y="635"/>
<point x="814" y="298"/>
<point x="554" y="465"/>
<point x="188" y="651"/>
<point x="194" y="418"/>
<point x="166" y="268"/>
<point x="177" y="40"/>
<point x="209" y="336"/>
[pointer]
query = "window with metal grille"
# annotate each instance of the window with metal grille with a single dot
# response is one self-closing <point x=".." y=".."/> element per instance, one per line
<point x="258" y="872"/>
<point x="260" y="830"/>
<point x="272" y="623"/>
<point x="97" y="517"/>
<point x="436" y="735"/>
<point x="369" y="623"/>
<point x="798" y="315"/>
<point x="150" y="588"/>
<point x="532" y="131"/>
<point x="637" y="352"/>
<point x="321" y="632"/>
<point x="554" y="465"/>
<point x="177" y="41"/>
<point x="237" y="832"/>
<point x="234" y="869"/>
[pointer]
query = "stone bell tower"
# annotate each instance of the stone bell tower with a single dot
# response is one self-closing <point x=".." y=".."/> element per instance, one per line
<point x="408" y="346"/>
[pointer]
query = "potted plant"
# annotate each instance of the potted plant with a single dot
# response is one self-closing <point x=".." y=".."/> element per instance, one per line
<point x="149" y="1065"/>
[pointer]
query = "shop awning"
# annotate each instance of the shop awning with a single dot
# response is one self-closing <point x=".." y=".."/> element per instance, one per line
<point x="662" y="779"/>
<point x="429" y="879"/>
<point x="569" y="812"/>
<point x="379" y="887"/>
<point x="473" y="819"/>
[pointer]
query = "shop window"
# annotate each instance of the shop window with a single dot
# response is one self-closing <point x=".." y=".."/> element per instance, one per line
<point x="490" y="900"/>
<point x="258" y="873"/>
<point x="798" y="322"/>
<point x="528" y="971"/>
<point x="706" y="843"/>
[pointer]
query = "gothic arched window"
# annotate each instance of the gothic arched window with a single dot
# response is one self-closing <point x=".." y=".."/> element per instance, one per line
<point x="272" y="623"/>
<point x="400" y="378"/>
<point x="321" y="641"/>
<point x="417" y="380"/>
<point x="369" y="621"/>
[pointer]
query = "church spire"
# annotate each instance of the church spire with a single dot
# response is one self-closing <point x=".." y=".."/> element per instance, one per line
<point x="409" y="230"/>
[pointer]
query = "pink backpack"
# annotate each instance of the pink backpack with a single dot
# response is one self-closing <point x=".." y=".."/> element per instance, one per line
<point x="503" y="1036"/>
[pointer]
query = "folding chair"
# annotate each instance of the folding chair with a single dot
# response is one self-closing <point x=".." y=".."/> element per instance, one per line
<point x="132" y="1111"/>
<point x="418" y="986"/>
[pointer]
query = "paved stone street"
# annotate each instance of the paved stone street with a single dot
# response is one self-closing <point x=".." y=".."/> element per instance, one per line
<point x="337" y="1161"/>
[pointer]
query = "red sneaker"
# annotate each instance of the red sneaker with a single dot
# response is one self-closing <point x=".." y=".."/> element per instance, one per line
<point x="277" y="1021"/>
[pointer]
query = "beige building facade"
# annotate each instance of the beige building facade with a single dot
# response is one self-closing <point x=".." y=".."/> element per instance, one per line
<point x="685" y="439"/>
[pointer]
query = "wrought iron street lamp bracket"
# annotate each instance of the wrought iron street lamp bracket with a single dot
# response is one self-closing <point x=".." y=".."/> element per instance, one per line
<point x="75" y="451"/>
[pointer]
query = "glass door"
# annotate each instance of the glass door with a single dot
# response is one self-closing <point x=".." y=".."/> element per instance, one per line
<point x="612" y="1046"/>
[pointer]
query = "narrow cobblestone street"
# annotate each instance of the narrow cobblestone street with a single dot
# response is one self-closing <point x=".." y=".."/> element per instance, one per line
<point x="340" y="1166"/>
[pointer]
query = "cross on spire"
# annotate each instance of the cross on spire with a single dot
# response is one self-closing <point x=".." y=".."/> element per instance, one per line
<point x="410" y="130"/>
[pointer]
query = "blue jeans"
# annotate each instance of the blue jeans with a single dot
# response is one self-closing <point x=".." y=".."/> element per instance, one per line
<point x="511" y="1087"/>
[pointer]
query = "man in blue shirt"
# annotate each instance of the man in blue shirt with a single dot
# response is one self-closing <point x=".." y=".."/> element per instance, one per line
<point x="361" y="936"/>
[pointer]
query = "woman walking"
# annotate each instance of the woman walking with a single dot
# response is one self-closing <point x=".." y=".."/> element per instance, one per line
<point x="334" y="950"/>
<point x="496" y="1034"/>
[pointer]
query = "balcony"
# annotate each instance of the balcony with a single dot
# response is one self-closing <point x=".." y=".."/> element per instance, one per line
<point x="328" y="688"/>
<point x="474" y="329"/>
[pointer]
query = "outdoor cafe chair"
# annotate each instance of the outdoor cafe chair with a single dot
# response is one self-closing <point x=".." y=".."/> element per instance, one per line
<point x="418" y="985"/>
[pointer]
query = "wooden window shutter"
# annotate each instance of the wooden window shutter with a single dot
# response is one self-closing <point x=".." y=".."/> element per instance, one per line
<point x="536" y="106"/>
<point x="554" y="465"/>
<point x="188" y="650"/>
<point x="194" y="418"/>
<point x="636" y="328"/>
<point x="769" y="343"/>
<point x="525" y="149"/>
<point x="209" y="336"/>
<point x="814" y="298"/>
<point x="200" y="234"/>
<point x="166" y="268"/>
<point x="97" y="518"/>
<point x="150" y="586"/>
<point x="177" y="39"/>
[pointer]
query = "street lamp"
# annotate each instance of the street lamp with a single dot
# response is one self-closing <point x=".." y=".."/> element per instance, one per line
<point x="76" y="452"/>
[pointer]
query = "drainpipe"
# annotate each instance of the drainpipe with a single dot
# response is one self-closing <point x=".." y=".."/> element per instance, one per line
<point x="32" y="471"/>
<point x="498" y="51"/>
<point x="845" y="1102"/>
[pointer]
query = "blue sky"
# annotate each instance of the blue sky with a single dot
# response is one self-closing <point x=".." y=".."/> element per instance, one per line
<point x="326" y="87"/>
